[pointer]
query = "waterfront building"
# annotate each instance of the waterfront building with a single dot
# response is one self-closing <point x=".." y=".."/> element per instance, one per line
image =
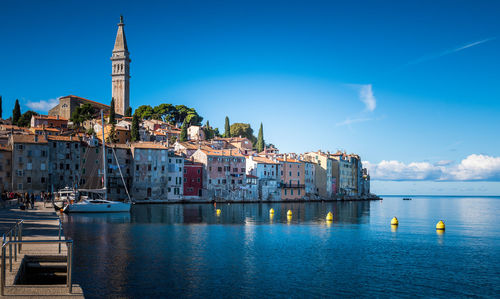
<point x="193" y="180"/>
<point x="119" y="157"/>
<point x="292" y="178"/>
<point x="5" y="167"/>
<point x="346" y="179"/>
<point x="267" y="172"/>
<point x="175" y="183"/>
<point x="158" y="173"/>
<point x="64" y="154"/>
<point x="324" y="173"/>
<point x="120" y="63"/>
<point x="225" y="172"/>
<point x="30" y="163"/>
<point x="251" y="188"/>
<point x="310" y="178"/>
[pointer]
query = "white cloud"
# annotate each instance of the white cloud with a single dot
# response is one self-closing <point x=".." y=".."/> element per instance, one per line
<point x="349" y="121"/>
<point x="42" y="105"/>
<point x="449" y="51"/>
<point x="477" y="167"/>
<point x="473" y="168"/>
<point x="366" y="96"/>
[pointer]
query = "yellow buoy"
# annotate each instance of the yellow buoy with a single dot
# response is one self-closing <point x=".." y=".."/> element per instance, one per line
<point x="217" y="212"/>
<point x="271" y="211"/>
<point x="394" y="228"/>
<point x="329" y="216"/>
<point x="289" y="213"/>
<point x="394" y="221"/>
<point x="440" y="225"/>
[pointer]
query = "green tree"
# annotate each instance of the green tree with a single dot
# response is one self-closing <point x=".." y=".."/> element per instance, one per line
<point x="82" y="113"/>
<point x="227" y="128"/>
<point x="209" y="133"/>
<point x="25" y="119"/>
<point x="134" y="133"/>
<point x="16" y="113"/>
<point x="260" y="140"/>
<point x="0" y="107"/>
<point x="128" y="112"/>
<point x="144" y="112"/>
<point x="183" y="136"/>
<point x="163" y="112"/>
<point x="243" y="130"/>
<point x="112" y="113"/>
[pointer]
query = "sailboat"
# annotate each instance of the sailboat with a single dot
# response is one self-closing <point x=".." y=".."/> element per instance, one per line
<point x="88" y="205"/>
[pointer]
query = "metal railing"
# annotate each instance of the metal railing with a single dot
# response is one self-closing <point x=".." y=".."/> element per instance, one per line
<point x="16" y="233"/>
<point x="69" y="260"/>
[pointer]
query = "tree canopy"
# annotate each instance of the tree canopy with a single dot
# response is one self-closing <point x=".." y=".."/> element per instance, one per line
<point x="82" y="113"/>
<point x="128" y="112"/>
<point x="25" y="119"/>
<point x="134" y="132"/>
<point x="227" y="128"/>
<point x="243" y="130"/>
<point x="183" y="136"/>
<point x="169" y="113"/>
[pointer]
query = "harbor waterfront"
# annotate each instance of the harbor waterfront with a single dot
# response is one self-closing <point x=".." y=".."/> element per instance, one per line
<point x="192" y="250"/>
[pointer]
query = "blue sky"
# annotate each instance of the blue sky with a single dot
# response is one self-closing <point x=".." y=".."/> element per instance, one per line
<point x="410" y="86"/>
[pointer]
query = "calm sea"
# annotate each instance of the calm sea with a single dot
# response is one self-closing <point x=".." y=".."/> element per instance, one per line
<point x="188" y="251"/>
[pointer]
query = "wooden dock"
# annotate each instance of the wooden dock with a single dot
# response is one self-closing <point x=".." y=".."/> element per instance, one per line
<point x="39" y="224"/>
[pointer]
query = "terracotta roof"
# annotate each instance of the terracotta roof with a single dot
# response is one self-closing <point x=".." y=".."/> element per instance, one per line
<point x="45" y="129"/>
<point x="63" y="138"/>
<point x="148" y="145"/>
<point x="50" y="117"/>
<point x="224" y="153"/>
<point x="249" y="176"/>
<point x="29" y="139"/>
<point x="73" y="96"/>
<point x="5" y="148"/>
<point x="263" y="160"/>
<point x="289" y="160"/>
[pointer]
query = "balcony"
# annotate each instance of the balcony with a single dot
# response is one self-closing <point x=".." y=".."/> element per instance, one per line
<point x="291" y="186"/>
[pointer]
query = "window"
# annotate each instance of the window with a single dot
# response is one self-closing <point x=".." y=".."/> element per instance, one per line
<point x="240" y="182"/>
<point x="185" y="180"/>
<point x="137" y="167"/>
<point x="291" y="191"/>
<point x="290" y="173"/>
<point x="42" y="166"/>
<point x="149" y="167"/>
<point x="232" y="182"/>
<point x="20" y="186"/>
<point x="223" y="181"/>
<point x="163" y="168"/>
<point x="28" y="179"/>
<point x="29" y="166"/>
<point x="243" y="170"/>
<point x="298" y="173"/>
<point x="198" y="170"/>
<point x="42" y="180"/>
<point x="198" y="180"/>
<point x="67" y="166"/>
<point x="298" y="191"/>
<point x="235" y="169"/>
<point x="219" y="169"/>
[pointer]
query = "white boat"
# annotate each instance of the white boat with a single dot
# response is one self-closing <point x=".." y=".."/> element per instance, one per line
<point x="97" y="206"/>
<point x="87" y="204"/>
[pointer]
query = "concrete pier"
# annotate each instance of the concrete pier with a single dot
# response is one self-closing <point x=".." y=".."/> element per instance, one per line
<point x="42" y="223"/>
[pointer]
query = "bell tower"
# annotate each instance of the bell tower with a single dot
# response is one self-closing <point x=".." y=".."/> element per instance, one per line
<point x="120" y="75"/>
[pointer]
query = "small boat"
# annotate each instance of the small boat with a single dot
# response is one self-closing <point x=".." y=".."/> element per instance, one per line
<point x="63" y="197"/>
<point x="406" y="198"/>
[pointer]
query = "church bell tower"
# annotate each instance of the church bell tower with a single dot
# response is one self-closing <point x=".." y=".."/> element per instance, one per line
<point x="120" y="75"/>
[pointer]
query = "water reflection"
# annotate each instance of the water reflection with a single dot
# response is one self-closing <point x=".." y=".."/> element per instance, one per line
<point x="343" y="212"/>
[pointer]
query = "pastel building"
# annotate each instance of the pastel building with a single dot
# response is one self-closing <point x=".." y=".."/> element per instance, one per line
<point x="292" y="178"/>
<point x="268" y="176"/>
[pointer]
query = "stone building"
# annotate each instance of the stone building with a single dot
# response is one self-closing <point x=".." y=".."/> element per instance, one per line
<point x="30" y="163"/>
<point x="5" y="168"/>
<point x="64" y="161"/>
<point x="68" y="104"/>
<point x="310" y="178"/>
<point x="120" y="82"/>
<point x="157" y="173"/>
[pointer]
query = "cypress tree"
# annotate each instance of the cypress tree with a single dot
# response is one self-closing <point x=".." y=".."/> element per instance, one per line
<point x="183" y="136"/>
<point x="128" y="112"/>
<point x="260" y="139"/>
<point x="134" y="133"/>
<point x="0" y="107"/>
<point x="112" y="116"/>
<point x="16" y="113"/>
<point x="227" y="128"/>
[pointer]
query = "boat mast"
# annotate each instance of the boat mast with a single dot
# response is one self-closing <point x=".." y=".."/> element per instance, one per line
<point x="104" y="158"/>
